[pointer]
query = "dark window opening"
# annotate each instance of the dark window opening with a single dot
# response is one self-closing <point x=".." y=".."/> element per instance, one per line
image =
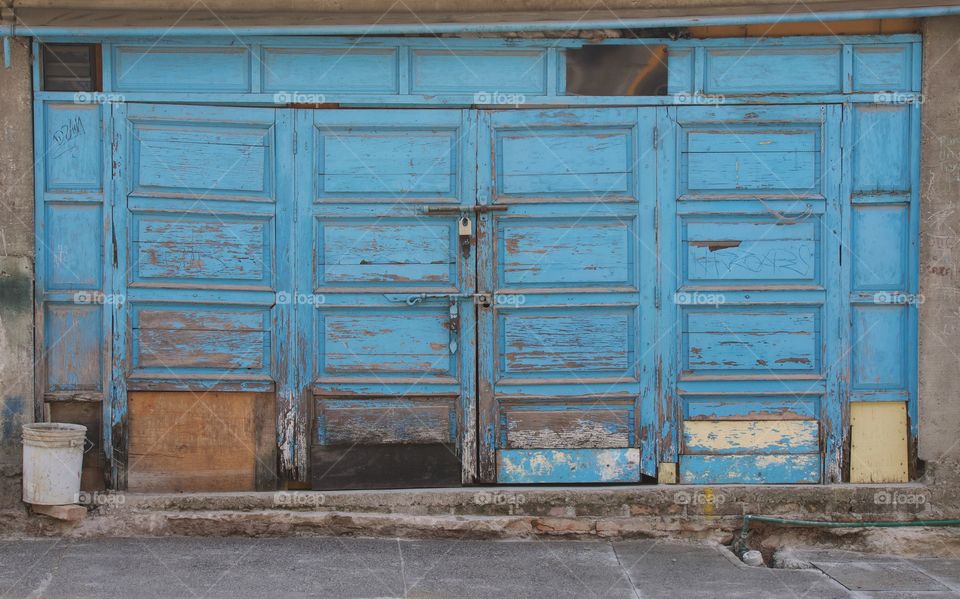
<point x="70" y="68"/>
<point x="612" y="70"/>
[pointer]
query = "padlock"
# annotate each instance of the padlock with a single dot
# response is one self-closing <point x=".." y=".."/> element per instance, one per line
<point x="464" y="226"/>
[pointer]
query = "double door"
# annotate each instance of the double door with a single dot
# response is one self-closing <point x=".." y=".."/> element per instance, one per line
<point x="436" y="296"/>
<point x="482" y="295"/>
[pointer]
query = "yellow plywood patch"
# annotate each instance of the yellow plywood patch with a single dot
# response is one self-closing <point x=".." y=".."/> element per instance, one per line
<point x="667" y="473"/>
<point x="878" y="442"/>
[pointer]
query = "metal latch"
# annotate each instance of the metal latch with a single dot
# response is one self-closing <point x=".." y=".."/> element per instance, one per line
<point x="465" y="231"/>
<point x="481" y="299"/>
<point x="476" y="209"/>
<point x="454" y="327"/>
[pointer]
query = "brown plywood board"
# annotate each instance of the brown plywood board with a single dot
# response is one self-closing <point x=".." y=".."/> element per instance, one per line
<point x="186" y="441"/>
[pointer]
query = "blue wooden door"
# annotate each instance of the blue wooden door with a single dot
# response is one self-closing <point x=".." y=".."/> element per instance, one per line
<point x="384" y="306"/>
<point x="526" y="296"/>
<point x="201" y="201"/>
<point x="568" y="267"/>
<point x="753" y="287"/>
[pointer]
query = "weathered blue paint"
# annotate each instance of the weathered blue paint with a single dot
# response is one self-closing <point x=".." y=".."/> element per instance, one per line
<point x="377" y="71"/>
<point x="881" y="197"/>
<point x="73" y="299"/>
<point x="747" y="70"/>
<point x="394" y="334"/>
<point x="756" y="251"/>
<point x="317" y="253"/>
<point x="387" y="421"/>
<point x="745" y="407"/>
<point x="11" y="416"/>
<point x="750" y="469"/>
<point x="142" y="68"/>
<point x="466" y="101"/>
<point x="750" y="340"/>
<point x="570" y="259"/>
<point x="538" y="466"/>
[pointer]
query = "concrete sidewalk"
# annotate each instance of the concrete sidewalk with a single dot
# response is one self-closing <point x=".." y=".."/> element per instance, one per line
<point x="350" y="567"/>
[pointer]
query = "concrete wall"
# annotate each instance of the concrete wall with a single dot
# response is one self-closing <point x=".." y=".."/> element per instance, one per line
<point x="16" y="266"/>
<point x="940" y="250"/>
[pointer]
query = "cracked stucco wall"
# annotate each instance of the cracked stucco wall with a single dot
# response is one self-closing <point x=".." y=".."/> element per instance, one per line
<point x="16" y="265"/>
<point x="939" y="437"/>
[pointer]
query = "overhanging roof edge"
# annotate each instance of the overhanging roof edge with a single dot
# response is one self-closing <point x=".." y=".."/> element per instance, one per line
<point x="44" y="22"/>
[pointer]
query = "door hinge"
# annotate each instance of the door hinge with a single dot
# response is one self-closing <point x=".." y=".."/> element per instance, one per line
<point x="295" y="141"/>
<point x="656" y="136"/>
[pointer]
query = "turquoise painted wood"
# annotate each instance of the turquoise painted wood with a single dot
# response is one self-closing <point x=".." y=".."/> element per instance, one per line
<point x="201" y="199"/>
<point x="751" y="408"/>
<point x="387" y="338"/>
<point x="750" y="469"/>
<point x="539" y="466"/>
<point x="880" y="275"/>
<point x="627" y="277"/>
<point x="283" y="70"/>
<point x="568" y="260"/>
<point x="764" y="70"/>
<point x="754" y="226"/>
<point x="753" y="251"/>
<point x="199" y="210"/>
<point x="344" y="69"/>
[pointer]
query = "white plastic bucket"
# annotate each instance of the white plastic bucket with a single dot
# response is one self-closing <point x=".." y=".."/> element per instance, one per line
<point x="52" y="461"/>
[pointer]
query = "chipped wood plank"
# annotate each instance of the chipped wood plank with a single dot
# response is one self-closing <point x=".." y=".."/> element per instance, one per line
<point x="385" y="422"/>
<point x="752" y="408"/>
<point x="750" y="469"/>
<point x="532" y="466"/>
<point x="607" y="427"/>
<point x="751" y="437"/>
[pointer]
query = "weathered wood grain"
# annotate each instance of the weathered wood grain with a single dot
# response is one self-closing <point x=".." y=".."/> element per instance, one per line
<point x="751" y="437"/>
<point x="212" y="441"/>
